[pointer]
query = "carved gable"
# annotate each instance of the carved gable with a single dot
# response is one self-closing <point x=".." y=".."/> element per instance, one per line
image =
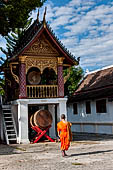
<point x="41" y="47"/>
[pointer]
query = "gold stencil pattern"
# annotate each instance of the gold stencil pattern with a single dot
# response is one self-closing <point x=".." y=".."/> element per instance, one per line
<point x="41" y="63"/>
<point x="41" y="47"/>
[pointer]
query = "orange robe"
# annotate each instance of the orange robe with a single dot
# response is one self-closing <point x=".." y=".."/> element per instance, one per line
<point x="65" y="134"/>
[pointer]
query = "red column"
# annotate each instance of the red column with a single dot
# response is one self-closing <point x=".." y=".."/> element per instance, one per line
<point x="60" y="78"/>
<point x="22" y="80"/>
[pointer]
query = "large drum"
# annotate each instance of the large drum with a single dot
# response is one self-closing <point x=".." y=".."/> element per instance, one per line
<point x="41" y="118"/>
<point x="34" y="77"/>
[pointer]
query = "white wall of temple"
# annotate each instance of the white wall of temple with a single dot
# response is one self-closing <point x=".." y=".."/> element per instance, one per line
<point x="20" y="111"/>
<point x="91" y="123"/>
<point x="14" y="110"/>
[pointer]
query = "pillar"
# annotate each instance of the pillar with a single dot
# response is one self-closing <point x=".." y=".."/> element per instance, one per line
<point x="22" y="122"/>
<point x="22" y="78"/>
<point x="61" y="108"/>
<point x="60" y="77"/>
<point x="52" y="130"/>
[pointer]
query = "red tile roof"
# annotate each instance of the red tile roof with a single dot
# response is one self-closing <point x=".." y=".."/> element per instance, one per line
<point x="97" y="84"/>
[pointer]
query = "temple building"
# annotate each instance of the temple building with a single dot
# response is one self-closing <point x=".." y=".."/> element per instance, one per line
<point x="34" y="80"/>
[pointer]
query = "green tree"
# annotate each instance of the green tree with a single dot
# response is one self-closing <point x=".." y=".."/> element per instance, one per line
<point x="13" y="38"/>
<point x="2" y="84"/>
<point x="15" y="13"/>
<point x="75" y="75"/>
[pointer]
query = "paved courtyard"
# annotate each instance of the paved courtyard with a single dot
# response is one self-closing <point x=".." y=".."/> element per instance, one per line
<point x="82" y="155"/>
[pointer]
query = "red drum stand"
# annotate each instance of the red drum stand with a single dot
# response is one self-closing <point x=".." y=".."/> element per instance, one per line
<point x="41" y="133"/>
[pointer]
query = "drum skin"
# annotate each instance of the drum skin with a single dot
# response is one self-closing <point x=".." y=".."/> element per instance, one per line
<point x="41" y="118"/>
<point x="34" y="78"/>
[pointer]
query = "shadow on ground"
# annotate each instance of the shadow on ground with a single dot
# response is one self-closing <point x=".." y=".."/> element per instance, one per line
<point x="91" y="137"/>
<point x="91" y="153"/>
<point x="6" y="149"/>
<point x="24" y="149"/>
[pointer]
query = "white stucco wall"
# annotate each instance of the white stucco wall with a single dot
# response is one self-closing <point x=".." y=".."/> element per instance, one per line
<point x="14" y="110"/>
<point x="20" y="112"/>
<point x="91" y="123"/>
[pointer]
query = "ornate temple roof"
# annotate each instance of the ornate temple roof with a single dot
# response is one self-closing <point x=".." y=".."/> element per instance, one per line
<point x="35" y="30"/>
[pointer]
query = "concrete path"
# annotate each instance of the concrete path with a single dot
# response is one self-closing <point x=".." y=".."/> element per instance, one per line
<point x="82" y="155"/>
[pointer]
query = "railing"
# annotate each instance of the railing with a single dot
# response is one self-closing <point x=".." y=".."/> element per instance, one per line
<point x="42" y="91"/>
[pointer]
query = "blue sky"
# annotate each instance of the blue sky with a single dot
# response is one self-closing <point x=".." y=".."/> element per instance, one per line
<point x="85" y="27"/>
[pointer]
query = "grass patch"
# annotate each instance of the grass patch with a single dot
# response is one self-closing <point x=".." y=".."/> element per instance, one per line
<point x="77" y="163"/>
<point x="21" y="149"/>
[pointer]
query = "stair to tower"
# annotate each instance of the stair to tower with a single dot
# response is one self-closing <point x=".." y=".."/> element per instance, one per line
<point x="9" y="125"/>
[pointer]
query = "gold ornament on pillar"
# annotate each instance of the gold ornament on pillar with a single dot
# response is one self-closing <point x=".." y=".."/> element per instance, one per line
<point x="60" y="60"/>
<point x="22" y="59"/>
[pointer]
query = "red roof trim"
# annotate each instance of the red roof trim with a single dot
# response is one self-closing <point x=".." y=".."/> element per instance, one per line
<point x="58" y="45"/>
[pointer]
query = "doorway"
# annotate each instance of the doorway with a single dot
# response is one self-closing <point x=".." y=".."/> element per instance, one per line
<point x="52" y="108"/>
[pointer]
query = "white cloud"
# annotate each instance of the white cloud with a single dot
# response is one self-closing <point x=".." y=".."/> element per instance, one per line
<point x="94" y="30"/>
<point x="2" y="42"/>
<point x="63" y="11"/>
<point x="61" y="21"/>
<point x="3" y="45"/>
<point x="74" y="3"/>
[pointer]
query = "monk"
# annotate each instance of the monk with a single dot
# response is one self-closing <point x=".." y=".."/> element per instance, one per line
<point x="65" y="134"/>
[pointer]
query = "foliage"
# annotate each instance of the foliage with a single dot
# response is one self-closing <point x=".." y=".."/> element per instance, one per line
<point x="76" y="74"/>
<point x="2" y="83"/>
<point x="13" y="38"/>
<point x="15" y="13"/>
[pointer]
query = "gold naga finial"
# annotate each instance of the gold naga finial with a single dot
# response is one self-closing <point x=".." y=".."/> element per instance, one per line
<point x="44" y="17"/>
<point x="38" y="16"/>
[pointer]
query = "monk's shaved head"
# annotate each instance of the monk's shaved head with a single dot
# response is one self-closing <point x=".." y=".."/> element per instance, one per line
<point x="63" y="116"/>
